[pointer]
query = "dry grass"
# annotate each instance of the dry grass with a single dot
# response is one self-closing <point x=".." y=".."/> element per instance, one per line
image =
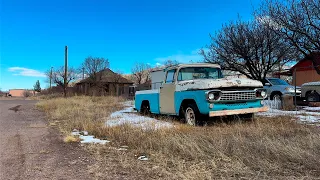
<point x="71" y="139"/>
<point x="80" y="112"/>
<point x="277" y="148"/>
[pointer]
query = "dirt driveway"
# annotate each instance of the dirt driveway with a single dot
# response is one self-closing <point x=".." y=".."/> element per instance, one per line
<point x="30" y="149"/>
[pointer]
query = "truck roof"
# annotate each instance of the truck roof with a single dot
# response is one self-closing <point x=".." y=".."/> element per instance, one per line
<point x="188" y="65"/>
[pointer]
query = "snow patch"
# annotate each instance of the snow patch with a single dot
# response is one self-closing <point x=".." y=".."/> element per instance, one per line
<point x="312" y="109"/>
<point x="301" y="116"/>
<point x="91" y="139"/>
<point x="128" y="116"/>
<point x="87" y="139"/>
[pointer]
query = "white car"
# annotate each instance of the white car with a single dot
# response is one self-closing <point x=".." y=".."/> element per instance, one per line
<point x="276" y="88"/>
<point x="310" y="91"/>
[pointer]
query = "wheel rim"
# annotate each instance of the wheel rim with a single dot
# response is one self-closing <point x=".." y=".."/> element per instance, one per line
<point x="145" y="110"/>
<point x="311" y="98"/>
<point x="190" y="116"/>
<point x="277" y="97"/>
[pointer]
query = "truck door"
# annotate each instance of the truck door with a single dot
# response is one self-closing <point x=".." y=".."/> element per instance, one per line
<point x="167" y="93"/>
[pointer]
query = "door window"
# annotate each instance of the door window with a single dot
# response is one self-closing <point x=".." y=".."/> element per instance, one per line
<point x="170" y="76"/>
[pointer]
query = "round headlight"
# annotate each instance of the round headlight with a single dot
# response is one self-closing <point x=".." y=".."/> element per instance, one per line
<point x="211" y="96"/>
<point x="263" y="94"/>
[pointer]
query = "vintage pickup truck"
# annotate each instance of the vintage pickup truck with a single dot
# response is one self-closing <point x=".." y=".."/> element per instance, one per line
<point x="193" y="91"/>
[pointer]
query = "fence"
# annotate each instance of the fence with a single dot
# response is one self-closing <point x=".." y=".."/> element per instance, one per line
<point x="273" y="104"/>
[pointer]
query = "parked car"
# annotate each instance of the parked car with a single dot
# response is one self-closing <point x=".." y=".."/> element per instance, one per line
<point x="276" y="88"/>
<point x="196" y="90"/>
<point x="310" y="91"/>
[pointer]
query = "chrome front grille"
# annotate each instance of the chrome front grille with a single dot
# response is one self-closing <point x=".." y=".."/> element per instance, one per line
<point x="237" y="95"/>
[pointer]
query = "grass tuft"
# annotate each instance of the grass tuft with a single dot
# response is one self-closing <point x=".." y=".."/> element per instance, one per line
<point x="71" y="139"/>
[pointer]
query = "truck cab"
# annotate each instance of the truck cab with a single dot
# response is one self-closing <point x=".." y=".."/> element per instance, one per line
<point x="196" y="90"/>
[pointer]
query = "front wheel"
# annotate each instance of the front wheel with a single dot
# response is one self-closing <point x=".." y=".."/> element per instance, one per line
<point x="191" y="115"/>
<point x="276" y="96"/>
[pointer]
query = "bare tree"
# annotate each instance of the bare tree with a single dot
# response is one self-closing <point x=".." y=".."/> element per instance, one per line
<point x="92" y="67"/>
<point x="169" y="62"/>
<point x="58" y="76"/>
<point x="27" y="93"/>
<point x="298" y="21"/>
<point x="249" y="48"/>
<point x="141" y="73"/>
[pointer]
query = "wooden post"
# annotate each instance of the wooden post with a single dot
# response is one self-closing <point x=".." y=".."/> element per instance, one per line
<point x="295" y="88"/>
<point x="65" y="71"/>
<point x="50" y="78"/>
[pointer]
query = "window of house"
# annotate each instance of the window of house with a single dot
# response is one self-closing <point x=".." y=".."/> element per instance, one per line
<point x="170" y="76"/>
<point x="106" y="88"/>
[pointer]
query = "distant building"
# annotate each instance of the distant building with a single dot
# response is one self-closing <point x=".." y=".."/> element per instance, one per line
<point x="21" y="92"/>
<point x="306" y="70"/>
<point x="106" y="82"/>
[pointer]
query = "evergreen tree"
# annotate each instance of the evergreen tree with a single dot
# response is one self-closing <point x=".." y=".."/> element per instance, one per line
<point x="37" y="87"/>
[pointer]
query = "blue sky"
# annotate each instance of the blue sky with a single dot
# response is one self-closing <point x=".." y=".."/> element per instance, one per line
<point x="33" y="33"/>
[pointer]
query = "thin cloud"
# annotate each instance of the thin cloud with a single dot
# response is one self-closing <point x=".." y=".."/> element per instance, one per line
<point x="159" y="64"/>
<point x="193" y="56"/>
<point x="21" y="71"/>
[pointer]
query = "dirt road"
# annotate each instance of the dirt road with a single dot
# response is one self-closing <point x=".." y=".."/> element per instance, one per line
<point x="30" y="149"/>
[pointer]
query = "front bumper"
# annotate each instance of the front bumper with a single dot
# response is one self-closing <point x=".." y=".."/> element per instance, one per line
<point x="292" y="94"/>
<point x="237" y="111"/>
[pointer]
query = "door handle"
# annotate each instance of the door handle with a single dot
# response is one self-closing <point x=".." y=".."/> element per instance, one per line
<point x="161" y="87"/>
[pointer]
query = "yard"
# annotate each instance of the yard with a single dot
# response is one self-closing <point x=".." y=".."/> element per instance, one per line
<point x="275" y="147"/>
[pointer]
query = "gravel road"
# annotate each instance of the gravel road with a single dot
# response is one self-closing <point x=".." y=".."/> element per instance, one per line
<point x="30" y="149"/>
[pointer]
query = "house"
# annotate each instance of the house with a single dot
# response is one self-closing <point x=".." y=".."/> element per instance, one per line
<point x="307" y="70"/>
<point x="21" y="92"/>
<point x="105" y="82"/>
<point x="4" y="93"/>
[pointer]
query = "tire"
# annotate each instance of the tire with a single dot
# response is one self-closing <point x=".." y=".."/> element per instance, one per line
<point x="145" y="109"/>
<point x="313" y="97"/>
<point x="191" y="115"/>
<point x="276" y="96"/>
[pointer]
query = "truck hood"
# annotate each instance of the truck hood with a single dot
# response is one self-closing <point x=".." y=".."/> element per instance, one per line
<point x="216" y="83"/>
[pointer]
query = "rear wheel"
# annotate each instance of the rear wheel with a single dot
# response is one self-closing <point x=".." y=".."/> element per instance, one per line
<point x="312" y="97"/>
<point x="191" y="115"/>
<point x="145" y="108"/>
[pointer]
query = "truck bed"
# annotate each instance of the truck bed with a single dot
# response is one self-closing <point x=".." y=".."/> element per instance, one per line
<point x="148" y="95"/>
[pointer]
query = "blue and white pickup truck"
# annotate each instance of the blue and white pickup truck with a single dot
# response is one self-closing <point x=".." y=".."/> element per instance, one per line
<point x="194" y="90"/>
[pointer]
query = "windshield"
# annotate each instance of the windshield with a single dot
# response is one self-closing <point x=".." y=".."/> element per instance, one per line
<point x="278" y="82"/>
<point x="191" y="73"/>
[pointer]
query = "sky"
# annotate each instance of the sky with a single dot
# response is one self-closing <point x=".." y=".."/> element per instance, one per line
<point x="33" y="33"/>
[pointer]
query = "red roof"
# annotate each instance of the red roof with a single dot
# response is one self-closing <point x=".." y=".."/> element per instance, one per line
<point x="310" y="62"/>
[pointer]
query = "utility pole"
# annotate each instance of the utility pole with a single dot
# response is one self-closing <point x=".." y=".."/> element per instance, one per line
<point x="65" y="70"/>
<point x="50" y="78"/>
